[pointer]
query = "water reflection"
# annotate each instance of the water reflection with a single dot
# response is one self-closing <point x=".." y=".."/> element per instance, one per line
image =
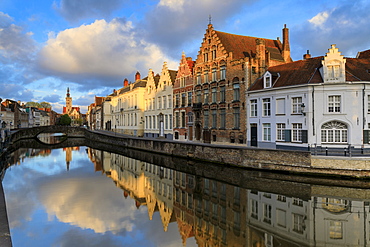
<point x="52" y="138"/>
<point x="189" y="209"/>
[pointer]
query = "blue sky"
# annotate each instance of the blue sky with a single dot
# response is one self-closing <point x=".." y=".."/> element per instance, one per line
<point x="92" y="45"/>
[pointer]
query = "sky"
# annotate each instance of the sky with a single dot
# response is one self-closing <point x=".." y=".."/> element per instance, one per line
<point x="91" y="46"/>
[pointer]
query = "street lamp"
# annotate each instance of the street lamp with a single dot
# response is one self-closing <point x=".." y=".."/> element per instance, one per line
<point x="161" y="125"/>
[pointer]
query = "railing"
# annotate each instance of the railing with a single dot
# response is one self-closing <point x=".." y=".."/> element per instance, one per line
<point x="349" y="150"/>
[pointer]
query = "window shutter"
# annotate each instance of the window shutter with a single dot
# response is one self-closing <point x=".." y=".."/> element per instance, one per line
<point x="288" y="135"/>
<point x="366" y="136"/>
<point x="304" y="136"/>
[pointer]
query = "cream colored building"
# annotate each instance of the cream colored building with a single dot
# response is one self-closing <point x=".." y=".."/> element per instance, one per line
<point x="159" y="103"/>
<point x="126" y="109"/>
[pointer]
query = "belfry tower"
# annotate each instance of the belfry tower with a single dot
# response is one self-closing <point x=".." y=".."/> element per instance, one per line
<point x="68" y="102"/>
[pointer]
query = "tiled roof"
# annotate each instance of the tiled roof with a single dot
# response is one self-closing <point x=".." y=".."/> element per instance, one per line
<point x="173" y="74"/>
<point x="245" y="46"/>
<point x="141" y="83"/>
<point x="364" y="54"/>
<point x="307" y="71"/>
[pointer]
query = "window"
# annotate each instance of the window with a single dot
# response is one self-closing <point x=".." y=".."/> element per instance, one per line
<point x="170" y="118"/>
<point x="214" y="74"/>
<point x="334" y="132"/>
<point x="266" y="132"/>
<point x="296" y="105"/>
<point x="164" y="102"/>
<point x="253" y="108"/>
<point x="182" y="82"/>
<point x="223" y="119"/>
<point x="159" y="102"/>
<point x="223" y="73"/>
<point x="214" y="95"/>
<point x="254" y="209"/>
<point x="190" y="98"/>
<point x="236" y="87"/>
<point x="199" y="96"/>
<point x="190" y="117"/>
<point x="280" y="106"/>
<point x="206" y="119"/>
<point x="199" y="78"/>
<point x="177" y="119"/>
<point x="206" y="78"/>
<point x="169" y="97"/>
<point x="177" y="100"/>
<point x="297" y="132"/>
<point x="267" y="213"/>
<point x="336" y="231"/>
<point x="267" y="80"/>
<point x="280" y="132"/>
<point x="333" y="71"/>
<point x="183" y="119"/>
<point x="298" y="223"/>
<point x="334" y="103"/>
<point x="206" y="96"/>
<point x="214" y="118"/>
<point x="236" y="118"/>
<point x="222" y="94"/>
<point x="266" y="107"/>
<point x="183" y="99"/>
<point x="214" y="54"/>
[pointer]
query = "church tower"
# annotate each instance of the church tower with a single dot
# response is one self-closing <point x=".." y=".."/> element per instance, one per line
<point x="68" y="102"/>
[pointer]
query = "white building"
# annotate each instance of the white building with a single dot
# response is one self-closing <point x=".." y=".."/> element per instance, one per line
<point x="321" y="101"/>
<point x="158" y="104"/>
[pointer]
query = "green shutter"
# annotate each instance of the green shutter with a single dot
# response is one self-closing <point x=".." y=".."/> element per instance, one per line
<point x="288" y="135"/>
<point x="366" y="136"/>
<point x="304" y="136"/>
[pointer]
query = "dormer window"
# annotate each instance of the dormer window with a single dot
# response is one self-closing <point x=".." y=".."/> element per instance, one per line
<point x="267" y="80"/>
<point x="334" y="66"/>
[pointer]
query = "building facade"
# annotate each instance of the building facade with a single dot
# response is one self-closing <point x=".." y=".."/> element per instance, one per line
<point x="224" y="68"/>
<point x="314" y="102"/>
<point x="158" y="103"/>
<point x="183" y="128"/>
<point x="72" y="111"/>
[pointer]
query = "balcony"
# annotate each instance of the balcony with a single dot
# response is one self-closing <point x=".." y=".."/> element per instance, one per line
<point x="197" y="106"/>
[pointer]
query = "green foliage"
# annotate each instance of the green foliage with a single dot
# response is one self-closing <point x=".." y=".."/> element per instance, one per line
<point x="64" y="120"/>
<point x="45" y="105"/>
<point x="38" y="105"/>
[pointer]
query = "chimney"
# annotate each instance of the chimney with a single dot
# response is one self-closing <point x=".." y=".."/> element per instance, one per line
<point x="286" y="46"/>
<point x="125" y="82"/>
<point x="137" y="76"/>
<point x="307" y="55"/>
<point x="261" y="53"/>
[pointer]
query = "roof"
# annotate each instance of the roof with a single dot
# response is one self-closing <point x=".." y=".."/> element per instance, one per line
<point x="363" y="54"/>
<point x="245" y="46"/>
<point x="308" y="71"/>
<point x="172" y="74"/>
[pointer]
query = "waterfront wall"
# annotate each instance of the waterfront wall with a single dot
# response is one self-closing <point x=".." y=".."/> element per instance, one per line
<point x="269" y="159"/>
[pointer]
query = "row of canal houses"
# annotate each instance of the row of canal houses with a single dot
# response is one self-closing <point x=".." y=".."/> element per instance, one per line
<point x="14" y="114"/>
<point x="246" y="90"/>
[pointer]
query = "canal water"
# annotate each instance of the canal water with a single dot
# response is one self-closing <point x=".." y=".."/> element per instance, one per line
<point x="79" y="196"/>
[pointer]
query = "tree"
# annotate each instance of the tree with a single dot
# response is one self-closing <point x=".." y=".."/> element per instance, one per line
<point x="64" y="120"/>
<point x="45" y="105"/>
<point x="33" y="104"/>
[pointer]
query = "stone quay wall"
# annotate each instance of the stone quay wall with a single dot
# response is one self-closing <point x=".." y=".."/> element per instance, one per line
<point x="270" y="159"/>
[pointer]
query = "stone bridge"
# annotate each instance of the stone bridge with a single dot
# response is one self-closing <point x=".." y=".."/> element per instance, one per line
<point x="28" y="133"/>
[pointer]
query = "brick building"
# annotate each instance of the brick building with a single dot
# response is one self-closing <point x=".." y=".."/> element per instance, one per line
<point x="183" y="99"/>
<point x="224" y="68"/>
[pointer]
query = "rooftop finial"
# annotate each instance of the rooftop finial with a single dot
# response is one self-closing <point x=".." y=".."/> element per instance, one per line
<point x="210" y="19"/>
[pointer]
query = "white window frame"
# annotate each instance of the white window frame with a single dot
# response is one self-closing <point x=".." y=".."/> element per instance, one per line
<point x="296" y="105"/>
<point x="334" y="103"/>
<point x="280" y="131"/>
<point x="254" y="107"/>
<point x="266" y="107"/>
<point x="297" y="132"/>
<point x="267" y="80"/>
<point x="266" y="134"/>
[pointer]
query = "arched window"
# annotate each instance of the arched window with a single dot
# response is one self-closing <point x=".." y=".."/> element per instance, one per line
<point x="334" y="132"/>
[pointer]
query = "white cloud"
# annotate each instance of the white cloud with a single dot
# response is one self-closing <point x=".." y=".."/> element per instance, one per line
<point x="102" y="50"/>
<point x="319" y="19"/>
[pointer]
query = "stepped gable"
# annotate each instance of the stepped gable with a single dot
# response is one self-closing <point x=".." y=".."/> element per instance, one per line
<point x="245" y="46"/>
<point x="294" y="73"/>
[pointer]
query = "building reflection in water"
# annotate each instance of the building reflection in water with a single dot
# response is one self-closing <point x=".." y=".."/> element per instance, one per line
<point x="217" y="213"/>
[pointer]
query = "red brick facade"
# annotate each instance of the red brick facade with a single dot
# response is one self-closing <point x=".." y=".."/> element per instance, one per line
<point x="225" y="67"/>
